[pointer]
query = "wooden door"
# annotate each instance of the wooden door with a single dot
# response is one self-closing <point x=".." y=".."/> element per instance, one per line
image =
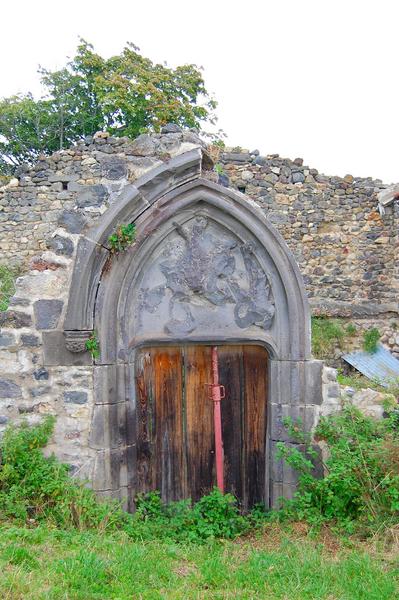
<point x="175" y="432"/>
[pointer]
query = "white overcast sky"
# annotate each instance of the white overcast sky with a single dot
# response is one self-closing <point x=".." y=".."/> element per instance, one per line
<point x="316" y="79"/>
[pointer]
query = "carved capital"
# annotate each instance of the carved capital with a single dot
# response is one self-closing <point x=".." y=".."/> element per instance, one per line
<point x="75" y="341"/>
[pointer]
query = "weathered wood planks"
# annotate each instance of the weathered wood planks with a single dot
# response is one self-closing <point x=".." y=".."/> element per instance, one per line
<point x="174" y="421"/>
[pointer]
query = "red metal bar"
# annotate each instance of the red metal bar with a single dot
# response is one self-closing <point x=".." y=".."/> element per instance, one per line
<point x="217" y="416"/>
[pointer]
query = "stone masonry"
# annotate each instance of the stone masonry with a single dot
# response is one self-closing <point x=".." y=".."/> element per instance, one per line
<point x="346" y="251"/>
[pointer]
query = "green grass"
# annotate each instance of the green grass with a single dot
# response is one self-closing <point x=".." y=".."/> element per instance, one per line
<point x="7" y="286"/>
<point x="46" y="564"/>
<point x="327" y="335"/>
<point x="359" y="382"/>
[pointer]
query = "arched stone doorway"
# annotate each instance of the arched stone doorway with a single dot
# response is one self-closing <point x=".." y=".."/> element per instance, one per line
<point x="207" y="268"/>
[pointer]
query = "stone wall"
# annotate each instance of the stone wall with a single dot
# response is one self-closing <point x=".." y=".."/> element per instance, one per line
<point x="71" y="188"/>
<point x="43" y="215"/>
<point x="345" y="249"/>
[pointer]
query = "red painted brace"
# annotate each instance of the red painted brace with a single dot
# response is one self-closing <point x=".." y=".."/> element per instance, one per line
<point x="217" y="394"/>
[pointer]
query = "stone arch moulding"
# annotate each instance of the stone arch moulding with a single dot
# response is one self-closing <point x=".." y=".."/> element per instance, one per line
<point x="206" y="266"/>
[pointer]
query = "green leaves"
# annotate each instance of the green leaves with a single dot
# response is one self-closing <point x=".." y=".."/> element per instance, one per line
<point x="371" y="337"/>
<point x="122" y="238"/>
<point x="126" y="94"/>
<point x="41" y="489"/>
<point x="360" y="486"/>
<point x="214" y="516"/>
<point x="93" y="345"/>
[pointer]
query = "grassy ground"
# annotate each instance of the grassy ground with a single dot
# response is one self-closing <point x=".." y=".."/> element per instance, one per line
<point x="39" y="563"/>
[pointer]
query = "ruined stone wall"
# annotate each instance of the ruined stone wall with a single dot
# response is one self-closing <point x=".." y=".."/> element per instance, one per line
<point x="347" y="252"/>
<point x="43" y="215"/>
<point x="70" y="188"/>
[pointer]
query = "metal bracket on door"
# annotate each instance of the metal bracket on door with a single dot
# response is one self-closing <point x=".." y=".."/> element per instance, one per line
<point x="215" y="396"/>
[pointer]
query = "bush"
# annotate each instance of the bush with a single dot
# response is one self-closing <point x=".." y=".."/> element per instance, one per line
<point x="371" y="337"/>
<point x="35" y="488"/>
<point x="215" y="515"/>
<point x="361" y="482"/>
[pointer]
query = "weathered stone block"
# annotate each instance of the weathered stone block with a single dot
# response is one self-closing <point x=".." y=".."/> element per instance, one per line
<point x="281" y="490"/>
<point x="40" y="391"/>
<point x="171" y="128"/>
<point x="61" y="245"/>
<point x="14" y="318"/>
<point x="91" y="195"/>
<point x="29" y="340"/>
<point x="40" y="374"/>
<point x="7" y="339"/>
<point x="114" y="169"/>
<point x="90" y="257"/>
<point x="55" y="352"/>
<point x="108" y="426"/>
<point x="72" y="221"/>
<point x="9" y="389"/>
<point x="304" y="416"/>
<point x="47" y="313"/>
<point x="143" y="145"/>
<point x="75" y="397"/>
<point x="298" y="177"/>
<point x="110" y="384"/>
<point x="110" y="469"/>
<point x="26" y="409"/>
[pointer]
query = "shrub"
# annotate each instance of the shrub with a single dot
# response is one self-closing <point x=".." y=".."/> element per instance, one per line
<point x="39" y="488"/>
<point x="215" y="515"/>
<point x="371" y="337"/>
<point x="36" y="488"/>
<point x="361" y="482"/>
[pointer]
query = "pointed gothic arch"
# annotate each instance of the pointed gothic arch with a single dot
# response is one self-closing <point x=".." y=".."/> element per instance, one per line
<point x="206" y="267"/>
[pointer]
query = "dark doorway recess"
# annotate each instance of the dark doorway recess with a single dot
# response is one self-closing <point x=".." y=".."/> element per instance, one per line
<point x="175" y="427"/>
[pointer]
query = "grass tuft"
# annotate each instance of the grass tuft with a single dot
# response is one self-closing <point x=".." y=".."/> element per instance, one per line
<point x="7" y="286"/>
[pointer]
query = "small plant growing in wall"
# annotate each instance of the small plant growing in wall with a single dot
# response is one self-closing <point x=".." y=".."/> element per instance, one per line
<point x="93" y="345"/>
<point x="7" y="286"/>
<point x="371" y="338"/>
<point x="351" y="330"/>
<point x="218" y="169"/>
<point x="122" y="238"/>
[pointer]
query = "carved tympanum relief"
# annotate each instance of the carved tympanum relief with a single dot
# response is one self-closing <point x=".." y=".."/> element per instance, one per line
<point x="205" y="265"/>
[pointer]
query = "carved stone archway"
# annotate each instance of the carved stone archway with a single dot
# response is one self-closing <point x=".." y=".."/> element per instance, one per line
<point x="206" y="266"/>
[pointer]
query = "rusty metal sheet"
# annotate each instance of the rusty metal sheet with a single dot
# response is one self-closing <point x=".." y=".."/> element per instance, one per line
<point x="380" y="366"/>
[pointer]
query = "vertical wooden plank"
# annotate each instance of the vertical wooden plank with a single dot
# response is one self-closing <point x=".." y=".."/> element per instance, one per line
<point x="169" y="445"/>
<point x="231" y="375"/>
<point x="254" y="438"/>
<point x="199" y="421"/>
<point x="145" y="418"/>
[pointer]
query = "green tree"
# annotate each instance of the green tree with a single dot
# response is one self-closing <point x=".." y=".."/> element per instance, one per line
<point x="126" y="94"/>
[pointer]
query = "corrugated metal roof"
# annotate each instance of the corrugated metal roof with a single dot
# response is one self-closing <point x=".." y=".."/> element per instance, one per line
<point x="380" y="366"/>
